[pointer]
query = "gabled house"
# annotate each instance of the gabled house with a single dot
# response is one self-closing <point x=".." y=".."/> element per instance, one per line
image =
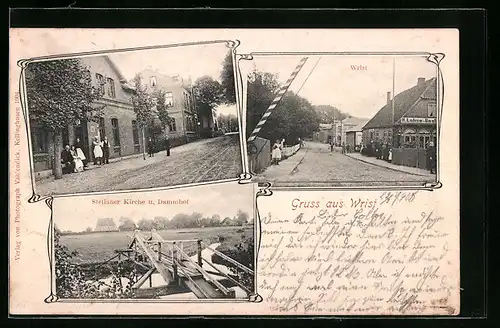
<point x="180" y="102"/>
<point x="415" y="118"/>
<point x="118" y="122"/>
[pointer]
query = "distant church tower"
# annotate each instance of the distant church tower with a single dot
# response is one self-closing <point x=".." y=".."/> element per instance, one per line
<point x="106" y="224"/>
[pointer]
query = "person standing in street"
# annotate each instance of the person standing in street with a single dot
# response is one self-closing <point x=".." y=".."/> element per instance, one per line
<point x="276" y="153"/>
<point x="150" y="147"/>
<point x="431" y="158"/>
<point x="167" y="145"/>
<point x="105" y="150"/>
<point x="97" y="151"/>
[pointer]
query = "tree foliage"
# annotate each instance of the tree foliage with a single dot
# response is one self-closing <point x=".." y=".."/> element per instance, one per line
<point x="329" y="114"/>
<point x="293" y="118"/>
<point x="227" y="79"/>
<point x="126" y="224"/>
<point x="60" y="92"/>
<point x="142" y="103"/>
<point x="161" y="108"/>
<point x="261" y="90"/>
<point x="208" y="93"/>
<point x="228" y="122"/>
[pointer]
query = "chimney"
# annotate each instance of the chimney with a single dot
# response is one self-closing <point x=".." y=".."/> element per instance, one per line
<point x="421" y="80"/>
<point x="388" y="97"/>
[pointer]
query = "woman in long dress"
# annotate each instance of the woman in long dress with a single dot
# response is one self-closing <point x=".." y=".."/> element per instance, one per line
<point x="97" y="150"/>
<point x="276" y="153"/>
<point x="78" y="161"/>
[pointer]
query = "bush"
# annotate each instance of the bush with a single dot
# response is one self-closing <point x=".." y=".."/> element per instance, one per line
<point x="242" y="252"/>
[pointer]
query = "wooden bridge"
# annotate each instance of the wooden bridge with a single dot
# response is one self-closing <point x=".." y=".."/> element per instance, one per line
<point x="180" y="273"/>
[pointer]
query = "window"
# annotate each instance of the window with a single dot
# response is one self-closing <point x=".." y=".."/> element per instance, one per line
<point x="100" y="82"/>
<point x="39" y="140"/>
<point x="169" y="99"/>
<point x="111" y="88"/>
<point x="172" y="125"/>
<point x="116" y="132"/>
<point x="152" y="81"/>
<point x="431" y="109"/>
<point x="135" y="136"/>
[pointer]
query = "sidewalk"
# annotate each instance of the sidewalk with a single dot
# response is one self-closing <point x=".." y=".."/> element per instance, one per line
<point x="285" y="167"/>
<point x="48" y="173"/>
<point x="390" y="166"/>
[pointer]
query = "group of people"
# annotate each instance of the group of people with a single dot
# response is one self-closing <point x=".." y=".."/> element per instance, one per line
<point x="151" y="146"/>
<point x="73" y="159"/>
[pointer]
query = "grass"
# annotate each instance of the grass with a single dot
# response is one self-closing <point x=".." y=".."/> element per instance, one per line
<point x="99" y="247"/>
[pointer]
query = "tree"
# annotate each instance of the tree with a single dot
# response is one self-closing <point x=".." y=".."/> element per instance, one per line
<point x="126" y="224"/>
<point x="161" y="108"/>
<point x="143" y="105"/>
<point x="209" y="94"/>
<point x="60" y="93"/>
<point x="261" y="90"/>
<point x="293" y="118"/>
<point x="227" y="221"/>
<point x="88" y="230"/>
<point x="329" y="114"/>
<point x="228" y="122"/>
<point x="160" y="223"/>
<point x="227" y="79"/>
<point x="241" y="218"/>
<point x="145" y="224"/>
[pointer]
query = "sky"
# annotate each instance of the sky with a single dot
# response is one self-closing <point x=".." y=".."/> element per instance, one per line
<point x="223" y="199"/>
<point x="188" y="62"/>
<point x="360" y="93"/>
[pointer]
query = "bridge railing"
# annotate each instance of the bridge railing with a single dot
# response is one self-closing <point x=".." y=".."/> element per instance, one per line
<point x="200" y="269"/>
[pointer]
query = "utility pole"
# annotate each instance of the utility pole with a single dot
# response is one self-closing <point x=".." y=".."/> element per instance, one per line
<point x="393" y="96"/>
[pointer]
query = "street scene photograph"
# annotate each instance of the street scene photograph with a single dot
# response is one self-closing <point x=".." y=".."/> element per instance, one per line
<point x="133" y="120"/>
<point x="179" y="245"/>
<point x="332" y="121"/>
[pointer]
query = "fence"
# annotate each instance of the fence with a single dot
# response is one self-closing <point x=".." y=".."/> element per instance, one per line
<point x="259" y="154"/>
<point x="412" y="157"/>
<point x="289" y="151"/>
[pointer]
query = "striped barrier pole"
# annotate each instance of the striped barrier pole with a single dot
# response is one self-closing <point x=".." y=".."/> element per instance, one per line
<point x="276" y="100"/>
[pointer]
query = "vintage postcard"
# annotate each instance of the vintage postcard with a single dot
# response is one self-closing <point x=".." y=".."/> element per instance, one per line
<point x="234" y="172"/>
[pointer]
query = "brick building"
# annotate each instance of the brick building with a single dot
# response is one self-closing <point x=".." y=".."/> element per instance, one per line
<point x="181" y="105"/>
<point x="415" y="122"/>
<point x="118" y="122"/>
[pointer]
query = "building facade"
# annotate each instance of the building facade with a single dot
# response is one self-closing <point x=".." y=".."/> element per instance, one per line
<point x="414" y="122"/>
<point x="181" y="104"/>
<point x="118" y="122"/>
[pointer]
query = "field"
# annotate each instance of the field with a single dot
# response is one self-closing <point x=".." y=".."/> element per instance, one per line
<point x="99" y="247"/>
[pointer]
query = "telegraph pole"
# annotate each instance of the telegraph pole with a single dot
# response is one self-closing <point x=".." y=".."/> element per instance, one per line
<point x="393" y="96"/>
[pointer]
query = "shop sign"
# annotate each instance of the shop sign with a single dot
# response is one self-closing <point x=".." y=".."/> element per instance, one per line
<point x="422" y="120"/>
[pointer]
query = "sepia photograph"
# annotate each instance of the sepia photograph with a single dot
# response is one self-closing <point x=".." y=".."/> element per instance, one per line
<point x="172" y="245"/>
<point x="133" y="119"/>
<point x="342" y="120"/>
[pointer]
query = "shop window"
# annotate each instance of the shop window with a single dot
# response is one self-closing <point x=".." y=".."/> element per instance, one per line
<point x="111" y="88"/>
<point x="116" y="132"/>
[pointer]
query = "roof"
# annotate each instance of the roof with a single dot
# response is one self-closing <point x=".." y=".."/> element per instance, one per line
<point x="359" y="127"/>
<point x="123" y="80"/>
<point x="355" y="121"/>
<point x="403" y="102"/>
